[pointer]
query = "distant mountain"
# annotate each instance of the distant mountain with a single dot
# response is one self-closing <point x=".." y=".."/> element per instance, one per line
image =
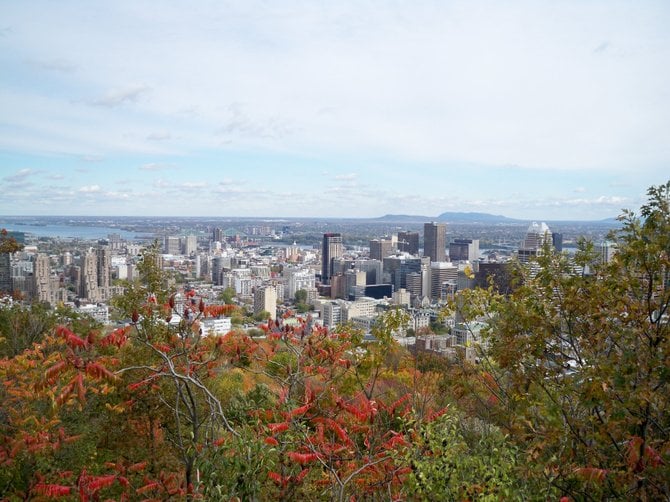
<point x="404" y="218"/>
<point x="454" y="217"/>
<point x="475" y="217"/>
<point x="611" y="221"/>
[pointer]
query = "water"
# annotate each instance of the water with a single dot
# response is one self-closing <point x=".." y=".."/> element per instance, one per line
<point x="68" y="231"/>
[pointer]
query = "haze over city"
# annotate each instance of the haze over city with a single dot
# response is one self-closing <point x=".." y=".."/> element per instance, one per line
<point x="532" y="110"/>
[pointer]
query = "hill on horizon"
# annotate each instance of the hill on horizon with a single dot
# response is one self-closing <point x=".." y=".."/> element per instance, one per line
<point x="451" y="216"/>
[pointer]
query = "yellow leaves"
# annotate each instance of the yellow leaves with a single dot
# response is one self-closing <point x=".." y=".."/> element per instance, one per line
<point x="117" y="408"/>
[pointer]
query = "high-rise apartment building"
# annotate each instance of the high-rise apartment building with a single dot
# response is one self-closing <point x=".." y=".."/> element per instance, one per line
<point x="104" y="267"/>
<point x="435" y="241"/>
<point x="331" y="248"/>
<point x="88" y="278"/>
<point x="265" y="299"/>
<point x="42" y="278"/>
<point x="5" y="273"/>
<point x="408" y="242"/>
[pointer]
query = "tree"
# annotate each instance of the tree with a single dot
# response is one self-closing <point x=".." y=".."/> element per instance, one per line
<point x="261" y="316"/>
<point x="577" y="365"/>
<point x="8" y="244"/>
<point x="301" y="296"/>
<point x="228" y="295"/>
<point x="22" y="326"/>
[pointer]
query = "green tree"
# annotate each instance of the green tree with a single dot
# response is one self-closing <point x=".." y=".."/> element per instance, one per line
<point x="301" y="296"/>
<point x="227" y="295"/>
<point x="577" y="370"/>
<point x="21" y="326"/>
<point x="261" y="316"/>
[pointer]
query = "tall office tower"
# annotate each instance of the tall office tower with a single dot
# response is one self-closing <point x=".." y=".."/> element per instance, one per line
<point x="557" y="241"/>
<point x="5" y="273"/>
<point x="216" y="269"/>
<point x="408" y="242"/>
<point x="464" y="250"/>
<point x="42" y="278"/>
<point x="104" y="268"/>
<point x="332" y="248"/>
<point x="537" y="236"/>
<point x="265" y="299"/>
<point x="189" y="245"/>
<point x="217" y="235"/>
<point x="380" y="248"/>
<point x="435" y="241"/>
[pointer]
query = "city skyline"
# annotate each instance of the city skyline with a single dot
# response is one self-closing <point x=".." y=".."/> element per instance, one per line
<point x="532" y="110"/>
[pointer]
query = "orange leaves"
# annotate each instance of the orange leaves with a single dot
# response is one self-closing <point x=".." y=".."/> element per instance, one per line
<point x="99" y="372"/>
<point x="55" y="370"/>
<point x="592" y="474"/>
<point x="218" y="310"/>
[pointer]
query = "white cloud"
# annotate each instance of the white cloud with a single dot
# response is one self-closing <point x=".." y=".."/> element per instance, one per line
<point x="159" y="136"/>
<point x="19" y="176"/>
<point x="89" y="189"/>
<point x="118" y="97"/>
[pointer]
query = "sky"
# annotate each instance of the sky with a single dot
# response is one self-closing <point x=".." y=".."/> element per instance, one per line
<point x="529" y="109"/>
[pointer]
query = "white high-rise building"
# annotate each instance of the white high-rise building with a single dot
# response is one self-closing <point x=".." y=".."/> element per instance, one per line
<point x="265" y="299"/>
<point x="297" y="279"/>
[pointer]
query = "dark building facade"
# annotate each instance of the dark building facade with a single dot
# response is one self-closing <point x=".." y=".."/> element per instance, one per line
<point x="408" y="242"/>
<point x="331" y="248"/>
<point x="435" y="241"/>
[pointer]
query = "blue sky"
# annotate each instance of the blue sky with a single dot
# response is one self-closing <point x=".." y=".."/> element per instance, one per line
<point x="536" y="110"/>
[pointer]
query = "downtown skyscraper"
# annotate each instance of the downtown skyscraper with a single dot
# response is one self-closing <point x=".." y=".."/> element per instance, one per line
<point x="435" y="241"/>
<point x="331" y="248"/>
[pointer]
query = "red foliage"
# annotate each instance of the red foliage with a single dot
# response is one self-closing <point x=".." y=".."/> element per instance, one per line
<point x="302" y="458"/>
<point x="50" y="490"/>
